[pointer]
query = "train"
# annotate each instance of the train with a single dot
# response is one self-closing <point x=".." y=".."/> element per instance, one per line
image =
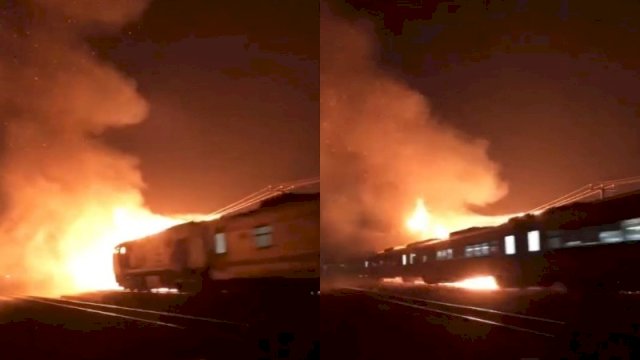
<point x="278" y="239"/>
<point x="591" y="245"/>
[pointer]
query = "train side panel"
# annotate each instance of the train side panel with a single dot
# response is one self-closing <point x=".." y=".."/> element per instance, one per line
<point x="280" y="241"/>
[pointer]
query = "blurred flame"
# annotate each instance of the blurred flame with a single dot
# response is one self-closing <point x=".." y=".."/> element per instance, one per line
<point x="419" y="223"/>
<point x="476" y="283"/>
<point x="165" y="290"/>
<point x="89" y="262"/>
<point x="441" y="232"/>
<point x="88" y="257"/>
<point x="419" y="220"/>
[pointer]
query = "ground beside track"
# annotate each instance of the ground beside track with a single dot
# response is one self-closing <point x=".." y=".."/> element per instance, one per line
<point x="358" y="326"/>
<point x="283" y="324"/>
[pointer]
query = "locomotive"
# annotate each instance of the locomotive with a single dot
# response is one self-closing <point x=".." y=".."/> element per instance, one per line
<point x="583" y="245"/>
<point x="279" y="239"/>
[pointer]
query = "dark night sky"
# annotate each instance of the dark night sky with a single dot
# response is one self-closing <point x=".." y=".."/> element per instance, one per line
<point x="552" y="85"/>
<point x="233" y="94"/>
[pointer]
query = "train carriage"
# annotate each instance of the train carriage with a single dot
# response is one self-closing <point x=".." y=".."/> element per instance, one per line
<point x="280" y="239"/>
<point x="582" y="245"/>
<point x="277" y="240"/>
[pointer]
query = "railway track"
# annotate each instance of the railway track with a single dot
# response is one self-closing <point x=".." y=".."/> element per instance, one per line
<point x="222" y="328"/>
<point x="513" y="321"/>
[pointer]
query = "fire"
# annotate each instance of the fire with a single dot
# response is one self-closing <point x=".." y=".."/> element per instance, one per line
<point x="87" y="251"/>
<point x="420" y="223"/>
<point x="165" y="291"/>
<point x="88" y="264"/>
<point x="476" y="283"/>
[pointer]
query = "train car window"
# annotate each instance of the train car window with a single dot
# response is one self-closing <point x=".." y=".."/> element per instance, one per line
<point x="411" y="258"/>
<point x="478" y="250"/>
<point x="494" y="247"/>
<point x="611" y="236"/>
<point x="533" y="240"/>
<point x="366" y="263"/>
<point x="262" y="235"/>
<point x="482" y="249"/>
<point x="220" y="243"/>
<point x="404" y="259"/>
<point x="510" y="245"/>
<point x="444" y="254"/>
<point x="631" y="229"/>
<point x="424" y="258"/>
<point x="485" y="249"/>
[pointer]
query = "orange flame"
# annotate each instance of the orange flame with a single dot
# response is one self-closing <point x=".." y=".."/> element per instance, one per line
<point x="89" y="263"/>
<point x="90" y="266"/>
<point x="476" y="283"/>
<point x="420" y="223"/>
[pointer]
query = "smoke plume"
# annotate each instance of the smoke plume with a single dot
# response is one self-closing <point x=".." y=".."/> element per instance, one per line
<point x="382" y="148"/>
<point x="63" y="188"/>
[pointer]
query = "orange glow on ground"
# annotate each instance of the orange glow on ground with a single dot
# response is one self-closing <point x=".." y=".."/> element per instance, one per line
<point x="165" y="290"/>
<point x="395" y="280"/>
<point x="476" y="283"/>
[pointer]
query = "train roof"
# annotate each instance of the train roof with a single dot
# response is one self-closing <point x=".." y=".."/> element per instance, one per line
<point x="286" y="198"/>
<point x="601" y="211"/>
<point x="276" y="201"/>
<point x="570" y="216"/>
<point x="279" y="200"/>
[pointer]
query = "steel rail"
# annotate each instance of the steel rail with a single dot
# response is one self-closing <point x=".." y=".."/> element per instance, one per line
<point x="124" y="308"/>
<point x="407" y="301"/>
<point x="106" y="313"/>
<point x="480" y="309"/>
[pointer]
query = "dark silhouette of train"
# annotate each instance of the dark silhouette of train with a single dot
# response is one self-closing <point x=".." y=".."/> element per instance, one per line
<point x="585" y="245"/>
<point x="279" y="239"/>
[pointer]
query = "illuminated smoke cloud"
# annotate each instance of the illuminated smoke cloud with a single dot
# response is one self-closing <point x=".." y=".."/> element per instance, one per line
<point x="381" y="148"/>
<point x="62" y="185"/>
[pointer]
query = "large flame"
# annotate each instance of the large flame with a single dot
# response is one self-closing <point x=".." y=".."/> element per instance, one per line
<point x="86" y="251"/>
<point x="89" y="263"/>
<point x="425" y="224"/>
<point x="421" y="224"/>
<point x="476" y="283"/>
<point x="67" y="197"/>
<point x="472" y="283"/>
<point x="84" y="261"/>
